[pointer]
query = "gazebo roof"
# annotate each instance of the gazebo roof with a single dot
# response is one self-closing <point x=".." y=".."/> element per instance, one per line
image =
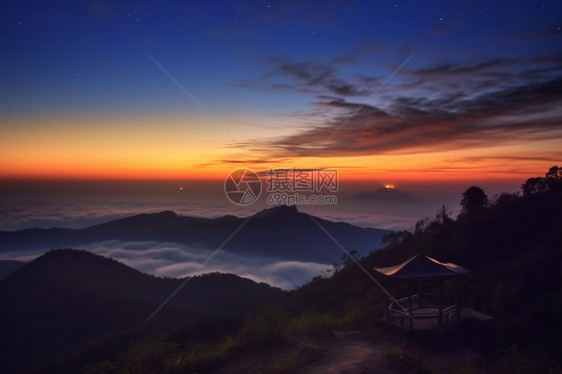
<point x="421" y="266"/>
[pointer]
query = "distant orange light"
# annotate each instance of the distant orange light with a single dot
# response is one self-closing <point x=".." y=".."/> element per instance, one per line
<point x="389" y="186"/>
<point x="181" y="188"/>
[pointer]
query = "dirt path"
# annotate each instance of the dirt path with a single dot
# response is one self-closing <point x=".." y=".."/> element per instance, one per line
<point x="349" y="353"/>
<point x="379" y="350"/>
<point x="352" y="352"/>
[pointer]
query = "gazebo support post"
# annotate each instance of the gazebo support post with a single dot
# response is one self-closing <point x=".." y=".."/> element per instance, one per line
<point x="410" y="310"/>
<point x="410" y="303"/>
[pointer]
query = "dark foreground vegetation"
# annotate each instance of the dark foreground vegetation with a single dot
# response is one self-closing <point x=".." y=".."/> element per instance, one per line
<point x="511" y="244"/>
<point x="69" y="307"/>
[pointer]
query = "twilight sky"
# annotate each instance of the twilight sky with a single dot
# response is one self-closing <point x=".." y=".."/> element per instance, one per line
<point x="428" y="90"/>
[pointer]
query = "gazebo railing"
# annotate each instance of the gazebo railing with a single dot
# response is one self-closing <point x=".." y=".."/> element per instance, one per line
<point x="422" y="311"/>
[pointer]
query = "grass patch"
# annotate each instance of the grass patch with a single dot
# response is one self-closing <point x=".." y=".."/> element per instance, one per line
<point x="205" y="356"/>
<point x="156" y="355"/>
<point x="313" y="324"/>
<point x="266" y="327"/>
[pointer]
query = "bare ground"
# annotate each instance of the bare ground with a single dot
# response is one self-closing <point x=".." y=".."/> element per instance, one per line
<point x="378" y="350"/>
<point x="351" y="352"/>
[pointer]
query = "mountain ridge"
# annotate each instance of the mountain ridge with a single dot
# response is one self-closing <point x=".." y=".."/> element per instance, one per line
<point x="280" y="232"/>
<point x="67" y="297"/>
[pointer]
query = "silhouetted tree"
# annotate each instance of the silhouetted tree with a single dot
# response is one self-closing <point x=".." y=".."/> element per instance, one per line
<point x="554" y="172"/>
<point x="395" y="237"/>
<point x="443" y="215"/>
<point x="473" y="200"/>
<point x="506" y="198"/>
<point x="533" y="186"/>
<point x="346" y="260"/>
<point x="421" y="226"/>
<point x="552" y="181"/>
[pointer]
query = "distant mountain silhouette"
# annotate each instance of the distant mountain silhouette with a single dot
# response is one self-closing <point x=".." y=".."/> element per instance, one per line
<point x="280" y="232"/>
<point x="66" y="298"/>
<point x="285" y="211"/>
<point x="384" y="194"/>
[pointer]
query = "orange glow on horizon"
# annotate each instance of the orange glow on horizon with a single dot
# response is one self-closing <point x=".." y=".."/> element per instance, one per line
<point x="176" y="148"/>
<point x="68" y="166"/>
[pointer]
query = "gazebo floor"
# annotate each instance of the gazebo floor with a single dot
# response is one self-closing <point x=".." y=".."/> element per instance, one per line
<point x="427" y="317"/>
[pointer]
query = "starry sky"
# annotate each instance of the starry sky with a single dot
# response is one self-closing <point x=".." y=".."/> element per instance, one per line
<point x="389" y="90"/>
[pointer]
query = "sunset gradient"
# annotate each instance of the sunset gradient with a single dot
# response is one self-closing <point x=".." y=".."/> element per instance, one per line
<point x="387" y="92"/>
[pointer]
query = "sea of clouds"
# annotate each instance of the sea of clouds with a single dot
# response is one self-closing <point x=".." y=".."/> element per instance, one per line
<point x="174" y="260"/>
<point x="79" y="207"/>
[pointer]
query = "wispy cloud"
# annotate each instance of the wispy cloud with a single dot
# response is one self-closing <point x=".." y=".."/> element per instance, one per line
<point x="174" y="260"/>
<point x="444" y="106"/>
<point x="178" y="261"/>
<point x="307" y="77"/>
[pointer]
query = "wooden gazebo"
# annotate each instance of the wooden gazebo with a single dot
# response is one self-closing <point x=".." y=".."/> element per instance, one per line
<point x="422" y="311"/>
